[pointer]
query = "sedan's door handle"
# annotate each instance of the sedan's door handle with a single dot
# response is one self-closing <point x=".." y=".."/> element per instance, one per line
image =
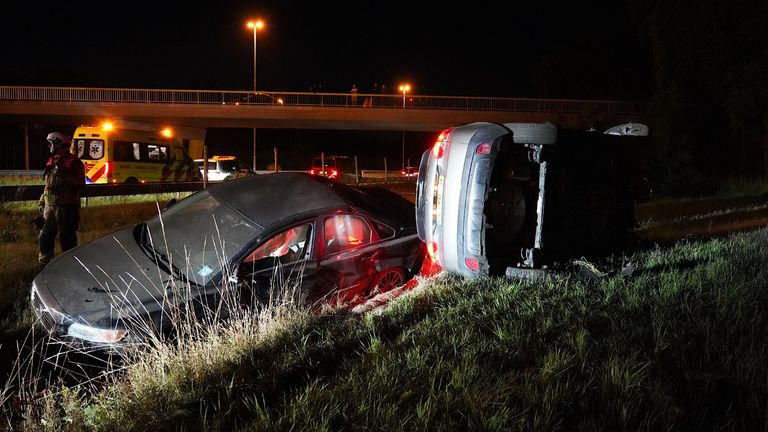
<point x="370" y="255"/>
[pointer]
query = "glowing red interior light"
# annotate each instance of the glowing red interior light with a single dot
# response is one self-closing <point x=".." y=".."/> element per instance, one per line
<point x="312" y="171"/>
<point x="432" y="251"/>
<point x="402" y="172"/>
<point x="484" y="148"/>
<point x="472" y="264"/>
<point x="334" y="173"/>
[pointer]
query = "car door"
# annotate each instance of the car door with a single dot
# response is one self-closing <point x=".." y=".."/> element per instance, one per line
<point x="280" y="268"/>
<point x="349" y="252"/>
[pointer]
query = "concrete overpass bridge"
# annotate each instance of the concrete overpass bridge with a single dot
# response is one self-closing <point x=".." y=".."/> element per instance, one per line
<point x="199" y="109"/>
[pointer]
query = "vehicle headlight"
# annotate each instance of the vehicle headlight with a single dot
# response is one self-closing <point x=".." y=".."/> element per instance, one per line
<point x="94" y="334"/>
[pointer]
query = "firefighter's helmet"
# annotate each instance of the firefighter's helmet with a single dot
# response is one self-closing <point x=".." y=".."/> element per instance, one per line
<point x="58" y="139"/>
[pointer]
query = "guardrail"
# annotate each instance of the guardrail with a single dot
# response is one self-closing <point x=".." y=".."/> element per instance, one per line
<point x="33" y="192"/>
<point x="21" y="173"/>
<point x="273" y="98"/>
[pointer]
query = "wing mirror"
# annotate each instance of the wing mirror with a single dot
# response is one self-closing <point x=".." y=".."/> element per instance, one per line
<point x="170" y="203"/>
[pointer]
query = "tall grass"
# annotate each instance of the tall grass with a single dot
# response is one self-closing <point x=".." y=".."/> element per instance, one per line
<point x="679" y="345"/>
<point x="8" y="180"/>
<point x="742" y="186"/>
<point x="18" y="255"/>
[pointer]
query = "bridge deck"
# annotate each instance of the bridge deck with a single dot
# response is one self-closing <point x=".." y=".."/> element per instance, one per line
<point x="287" y="110"/>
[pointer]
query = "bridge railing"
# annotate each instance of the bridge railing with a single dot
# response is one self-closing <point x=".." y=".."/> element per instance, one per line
<point x="276" y="99"/>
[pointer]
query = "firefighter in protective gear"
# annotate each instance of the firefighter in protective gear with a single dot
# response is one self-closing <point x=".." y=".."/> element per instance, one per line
<point x="64" y="177"/>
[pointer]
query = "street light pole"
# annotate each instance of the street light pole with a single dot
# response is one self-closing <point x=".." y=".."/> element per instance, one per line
<point x="255" y="25"/>
<point x="404" y="88"/>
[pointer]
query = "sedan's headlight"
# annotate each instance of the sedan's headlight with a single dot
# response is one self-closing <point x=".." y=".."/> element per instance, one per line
<point x="94" y="334"/>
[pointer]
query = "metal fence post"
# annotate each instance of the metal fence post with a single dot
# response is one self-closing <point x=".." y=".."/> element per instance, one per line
<point x="357" y="177"/>
<point x="274" y="150"/>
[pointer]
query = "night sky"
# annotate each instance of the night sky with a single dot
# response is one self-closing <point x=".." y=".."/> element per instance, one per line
<point x="480" y="50"/>
<point x="546" y="49"/>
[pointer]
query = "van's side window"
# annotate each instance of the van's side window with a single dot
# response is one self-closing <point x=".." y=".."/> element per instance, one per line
<point x="121" y="151"/>
<point x="157" y="152"/>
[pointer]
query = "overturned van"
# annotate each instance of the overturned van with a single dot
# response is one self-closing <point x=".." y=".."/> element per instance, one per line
<point x="508" y="198"/>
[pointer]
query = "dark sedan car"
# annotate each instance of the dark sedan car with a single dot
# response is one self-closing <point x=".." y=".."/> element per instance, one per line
<point x="254" y="237"/>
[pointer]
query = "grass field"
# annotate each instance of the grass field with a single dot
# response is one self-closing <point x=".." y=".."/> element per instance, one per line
<point x="679" y="345"/>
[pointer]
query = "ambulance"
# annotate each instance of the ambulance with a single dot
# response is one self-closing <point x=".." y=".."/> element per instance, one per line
<point x="118" y="155"/>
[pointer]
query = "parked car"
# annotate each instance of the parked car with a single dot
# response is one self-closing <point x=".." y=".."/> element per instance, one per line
<point x="222" y="168"/>
<point x="507" y="198"/>
<point x="329" y="241"/>
<point x="333" y="167"/>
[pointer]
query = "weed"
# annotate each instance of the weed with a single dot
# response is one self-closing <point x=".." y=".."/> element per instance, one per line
<point x="678" y="346"/>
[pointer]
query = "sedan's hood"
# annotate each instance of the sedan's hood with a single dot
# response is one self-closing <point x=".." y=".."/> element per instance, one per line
<point x="104" y="279"/>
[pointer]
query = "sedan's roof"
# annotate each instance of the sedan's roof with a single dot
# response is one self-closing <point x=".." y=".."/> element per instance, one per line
<point x="269" y="198"/>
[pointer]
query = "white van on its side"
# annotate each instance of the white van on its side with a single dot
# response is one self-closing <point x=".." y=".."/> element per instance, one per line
<point x="504" y="198"/>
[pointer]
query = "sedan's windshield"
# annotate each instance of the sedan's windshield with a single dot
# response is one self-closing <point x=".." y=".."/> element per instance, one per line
<point x="199" y="235"/>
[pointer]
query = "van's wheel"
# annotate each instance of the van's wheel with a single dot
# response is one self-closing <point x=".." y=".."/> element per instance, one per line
<point x="386" y="281"/>
<point x="131" y="180"/>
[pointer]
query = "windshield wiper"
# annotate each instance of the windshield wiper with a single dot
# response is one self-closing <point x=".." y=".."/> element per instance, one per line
<point x="160" y="259"/>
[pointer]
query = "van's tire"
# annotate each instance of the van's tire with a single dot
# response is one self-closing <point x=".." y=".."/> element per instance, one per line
<point x="132" y="180"/>
<point x="533" y="133"/>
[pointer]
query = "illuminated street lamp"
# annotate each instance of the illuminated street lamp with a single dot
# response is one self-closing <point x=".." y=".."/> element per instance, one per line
<point x="255" y="25"/>
<point x="405" y="88"/>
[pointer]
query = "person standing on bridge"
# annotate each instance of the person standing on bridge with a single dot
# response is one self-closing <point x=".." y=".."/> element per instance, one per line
<point x="64" y="177"/>
<point x="353" y="99"/>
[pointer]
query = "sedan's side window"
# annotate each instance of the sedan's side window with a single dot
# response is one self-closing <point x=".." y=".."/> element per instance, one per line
<point x="344" y="232"/>
<point x="288" y="246"/>
<point x="385" y="231"/>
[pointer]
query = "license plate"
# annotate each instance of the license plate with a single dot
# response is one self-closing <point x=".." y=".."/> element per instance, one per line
<point x="437" y="203"/>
